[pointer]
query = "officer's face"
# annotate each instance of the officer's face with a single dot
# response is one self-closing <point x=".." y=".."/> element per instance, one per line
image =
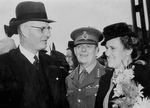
<point x="86" y="53"/>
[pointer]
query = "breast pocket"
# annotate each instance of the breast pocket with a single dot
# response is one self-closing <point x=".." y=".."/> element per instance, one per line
<point x="90" y="95"/>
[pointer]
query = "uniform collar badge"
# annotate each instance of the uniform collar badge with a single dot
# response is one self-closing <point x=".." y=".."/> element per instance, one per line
<point x="98" y="73"/>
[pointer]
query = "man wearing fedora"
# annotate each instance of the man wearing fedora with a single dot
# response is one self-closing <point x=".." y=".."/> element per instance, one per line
<point x="83" y="82"/>
<point x="29" y="78"/>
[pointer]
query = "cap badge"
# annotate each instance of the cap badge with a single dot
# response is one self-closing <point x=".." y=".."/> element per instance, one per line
<point x="85" y="35"/>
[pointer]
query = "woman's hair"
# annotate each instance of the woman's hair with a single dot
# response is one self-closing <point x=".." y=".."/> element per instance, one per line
<point x="131" y="42"/>
<point x="74" y="58"/>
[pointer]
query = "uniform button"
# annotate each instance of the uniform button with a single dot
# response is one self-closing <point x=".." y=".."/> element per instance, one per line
<point x="79" y="100"/>
<point x="79" y="89"/>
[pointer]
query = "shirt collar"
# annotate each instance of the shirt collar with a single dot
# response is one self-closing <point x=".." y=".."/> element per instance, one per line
<point x="89" y="68"/>
<point x="27" y="54"/>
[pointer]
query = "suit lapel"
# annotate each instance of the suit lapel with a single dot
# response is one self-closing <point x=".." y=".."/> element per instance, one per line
<point x="23" y="66"/>
<point x="105" y="79"/>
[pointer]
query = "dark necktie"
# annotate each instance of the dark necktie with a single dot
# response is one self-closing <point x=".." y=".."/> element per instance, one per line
<point x="36" y="62"/>
<point x="82" y="75"/>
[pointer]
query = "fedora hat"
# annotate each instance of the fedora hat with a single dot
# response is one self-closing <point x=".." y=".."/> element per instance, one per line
<point x="117" y="30"/>
<point x="86" y="35"/>
<point x="30" y="11"/>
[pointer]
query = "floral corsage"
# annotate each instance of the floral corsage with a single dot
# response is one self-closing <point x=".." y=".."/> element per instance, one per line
<point x="127" y="93"/>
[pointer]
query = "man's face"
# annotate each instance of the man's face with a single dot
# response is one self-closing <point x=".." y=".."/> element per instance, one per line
<point x="69" y="57"/>
<point x="86" y="53"/>
<point x="37" y="34"/>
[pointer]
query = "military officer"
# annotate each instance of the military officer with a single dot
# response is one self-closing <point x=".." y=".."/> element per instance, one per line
<point x="83" y="82"/>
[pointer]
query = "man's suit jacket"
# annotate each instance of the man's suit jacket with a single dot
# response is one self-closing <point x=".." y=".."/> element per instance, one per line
<point x="23" y="86"/>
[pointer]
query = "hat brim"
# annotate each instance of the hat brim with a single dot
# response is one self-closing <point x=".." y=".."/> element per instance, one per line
<point x="115" y="36"/>
<point x="16" y="23"/>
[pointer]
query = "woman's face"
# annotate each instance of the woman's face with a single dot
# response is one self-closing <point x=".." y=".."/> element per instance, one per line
<point x="116" y="53"/>
<point x="69" y="57"/>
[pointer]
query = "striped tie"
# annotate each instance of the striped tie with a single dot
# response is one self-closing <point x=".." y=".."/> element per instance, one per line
<point x="36" y="62"/>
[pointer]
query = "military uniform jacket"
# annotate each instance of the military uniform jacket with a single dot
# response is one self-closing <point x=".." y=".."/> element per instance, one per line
<point x="23" y="86"/>
<point x="83" y="95"/>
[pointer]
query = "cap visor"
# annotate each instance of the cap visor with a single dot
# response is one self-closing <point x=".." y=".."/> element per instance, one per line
<point x="86" y="42"/>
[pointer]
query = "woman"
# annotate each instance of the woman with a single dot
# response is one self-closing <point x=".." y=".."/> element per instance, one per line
<point x="70" y="57"/>
<point x="121" y="49"/>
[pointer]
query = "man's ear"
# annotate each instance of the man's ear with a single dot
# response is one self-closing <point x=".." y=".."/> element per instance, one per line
<point x="24" y="30"/>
